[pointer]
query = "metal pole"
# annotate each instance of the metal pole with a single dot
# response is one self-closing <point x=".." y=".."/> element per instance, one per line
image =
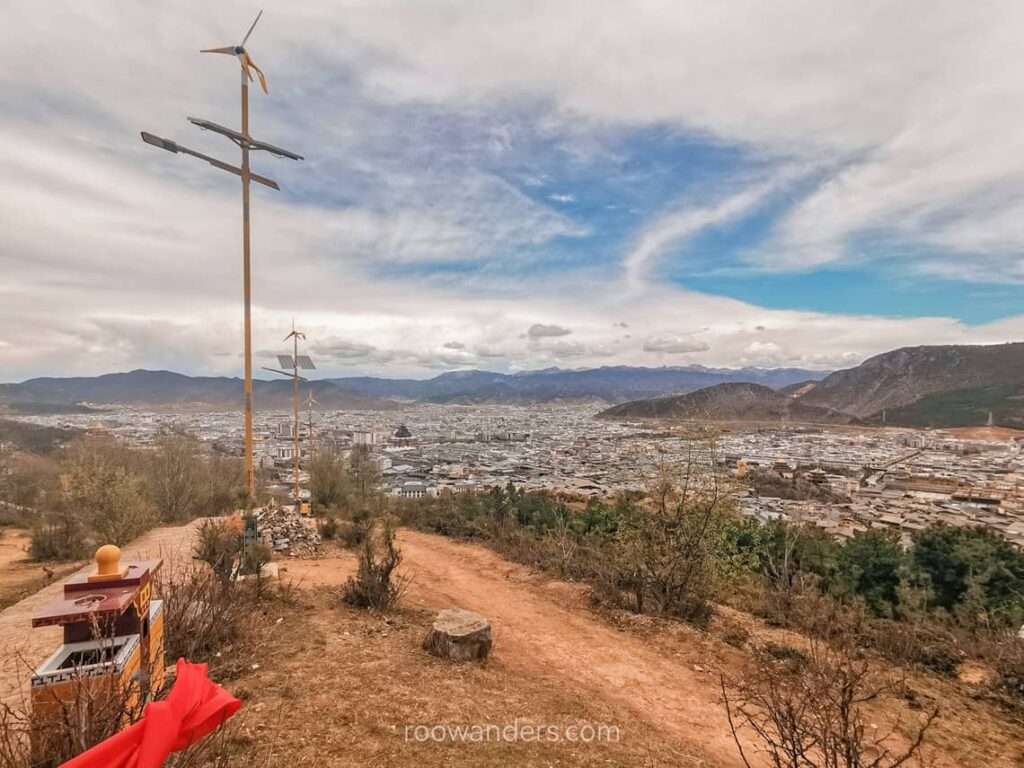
<point x="295" y="413"/>
<point x="250" y="472"/>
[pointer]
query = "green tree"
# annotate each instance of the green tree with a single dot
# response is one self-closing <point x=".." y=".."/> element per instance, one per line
<point x="954" y="560"/>
<point x="871" y="565"/>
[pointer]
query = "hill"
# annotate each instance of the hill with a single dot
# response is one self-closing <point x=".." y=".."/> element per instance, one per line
<point x="33" y="437"/>
<point x="612" y="384"/>
<point x="727" y="402"/>
<point x="164" y="388"/>
<point x="962" y="408"/>
<point x="167" y="389"/>
<point x="905" y="376"/>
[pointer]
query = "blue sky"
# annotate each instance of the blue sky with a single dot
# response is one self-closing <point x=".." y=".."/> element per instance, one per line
<point x="664" y="183"/>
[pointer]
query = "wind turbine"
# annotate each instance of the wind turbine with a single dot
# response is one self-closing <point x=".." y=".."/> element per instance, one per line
<point x="295" y="361"/>
<point x="244" y="59"/>
<point x="246" y="143"/>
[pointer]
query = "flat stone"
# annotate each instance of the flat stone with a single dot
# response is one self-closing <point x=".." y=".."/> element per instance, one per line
<point x="459" y="635"/>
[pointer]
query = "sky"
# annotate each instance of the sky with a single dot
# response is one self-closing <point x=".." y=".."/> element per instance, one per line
<point x="511" y="186"/>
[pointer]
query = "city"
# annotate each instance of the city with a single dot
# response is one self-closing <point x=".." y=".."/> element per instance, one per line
<point x="902" y="479"/>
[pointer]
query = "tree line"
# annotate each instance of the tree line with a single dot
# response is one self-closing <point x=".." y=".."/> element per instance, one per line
<point x="98" y="490"/>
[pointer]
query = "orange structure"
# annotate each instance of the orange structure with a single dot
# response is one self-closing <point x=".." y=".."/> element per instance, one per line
<point x="112" y="655"/>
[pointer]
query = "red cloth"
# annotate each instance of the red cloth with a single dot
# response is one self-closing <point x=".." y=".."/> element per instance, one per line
<point x="195" y="707"/>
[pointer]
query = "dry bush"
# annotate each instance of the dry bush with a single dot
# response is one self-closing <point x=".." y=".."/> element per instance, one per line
<point x="219" y="545"/>
<point x="328" y="527"/>
<point x="60" y="536"/>
<point x="669" y="557"/>
<point x="1004" y="651"/>
<point x="928" y="645"/>
<point x="203" y="614"/>
<point x="376" y="585"/>
<point x="807" y="710"/>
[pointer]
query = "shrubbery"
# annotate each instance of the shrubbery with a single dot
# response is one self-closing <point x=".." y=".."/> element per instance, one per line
<point x="376" y="585"/>
<point x="682" y="548"/>
<point x="102" y="492"/>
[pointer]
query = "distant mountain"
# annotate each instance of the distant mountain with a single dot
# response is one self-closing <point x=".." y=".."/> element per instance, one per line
<point x="164" y="388"/>
<point x="906" y="376"/>
<point x="611" y="384"/>
<point x="728" y="402"/>
<point x="167" y="389"/>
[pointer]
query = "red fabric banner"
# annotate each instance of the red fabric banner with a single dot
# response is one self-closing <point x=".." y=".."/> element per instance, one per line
<point x="195" y="707"/>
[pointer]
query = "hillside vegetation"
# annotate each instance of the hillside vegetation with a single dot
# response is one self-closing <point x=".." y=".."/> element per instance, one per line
<point x="905" y="376"/>
<point x="727" y="402"/>
<point x="963" y="407"/>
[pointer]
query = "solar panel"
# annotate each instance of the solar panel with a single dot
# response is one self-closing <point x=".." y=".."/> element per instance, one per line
<point x="305" y="362"/>
<point x="208" y="125"/>
<point x="285" y="361"/>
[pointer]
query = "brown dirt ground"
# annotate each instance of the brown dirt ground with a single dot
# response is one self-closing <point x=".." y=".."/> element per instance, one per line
<point x="342" y="684"/>
<point x="986" y="433"/>
<point x="19" y="576"/>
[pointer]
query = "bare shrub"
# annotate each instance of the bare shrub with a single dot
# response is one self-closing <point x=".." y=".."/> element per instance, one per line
<point x="354" y="531"/>
<point x="375" y="584"/>
<point x="807" y="709"/>
<point x="669" y="556"/>
<point x="60" y="536"/>
<point x="100" y="483"/>
<point x="928" y="644"/>
<point x="203" y="614"/>
<point x="329" y="528"/>
<point x="219" y="545"/>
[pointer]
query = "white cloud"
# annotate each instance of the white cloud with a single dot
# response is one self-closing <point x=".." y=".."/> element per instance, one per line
<point x="116" y="255"/>
<point x="542" y="331"/>
<point x="674" y="345"/>
<point x="675" y="227"/>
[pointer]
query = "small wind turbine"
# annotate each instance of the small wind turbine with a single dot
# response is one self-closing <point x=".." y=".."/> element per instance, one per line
<point x="295" y="361"/>
<point x="244" y="59"/>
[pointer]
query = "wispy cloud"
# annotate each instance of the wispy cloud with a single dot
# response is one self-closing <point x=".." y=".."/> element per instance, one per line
<point x="489" y="171"/>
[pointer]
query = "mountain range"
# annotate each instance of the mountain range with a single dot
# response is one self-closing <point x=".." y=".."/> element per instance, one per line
<point x="939" y="386"/>
<point x="167" y="389"/>
<point x="163" y="389"/>
<point x="611" y="384"/>
<point x="927" y="386"/>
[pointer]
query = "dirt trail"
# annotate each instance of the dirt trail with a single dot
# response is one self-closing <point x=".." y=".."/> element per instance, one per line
<point x="24" y="648"/>
<point x="541" y="630"/>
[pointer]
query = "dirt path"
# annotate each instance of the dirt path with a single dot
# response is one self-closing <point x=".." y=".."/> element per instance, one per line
<point x="544" y="631"/>
<point x="541" y="630"/>
<point x="21" y="577"/>
<point x="23" y="647"/>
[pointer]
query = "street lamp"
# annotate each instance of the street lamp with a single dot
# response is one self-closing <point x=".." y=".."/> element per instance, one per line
<point x="247" y="144"/>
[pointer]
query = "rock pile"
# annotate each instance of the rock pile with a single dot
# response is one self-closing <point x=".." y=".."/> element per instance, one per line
<point x="286" y="531"/>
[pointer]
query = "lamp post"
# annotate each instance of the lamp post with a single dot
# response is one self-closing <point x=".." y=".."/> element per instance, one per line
<point x="247" y="144"/>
